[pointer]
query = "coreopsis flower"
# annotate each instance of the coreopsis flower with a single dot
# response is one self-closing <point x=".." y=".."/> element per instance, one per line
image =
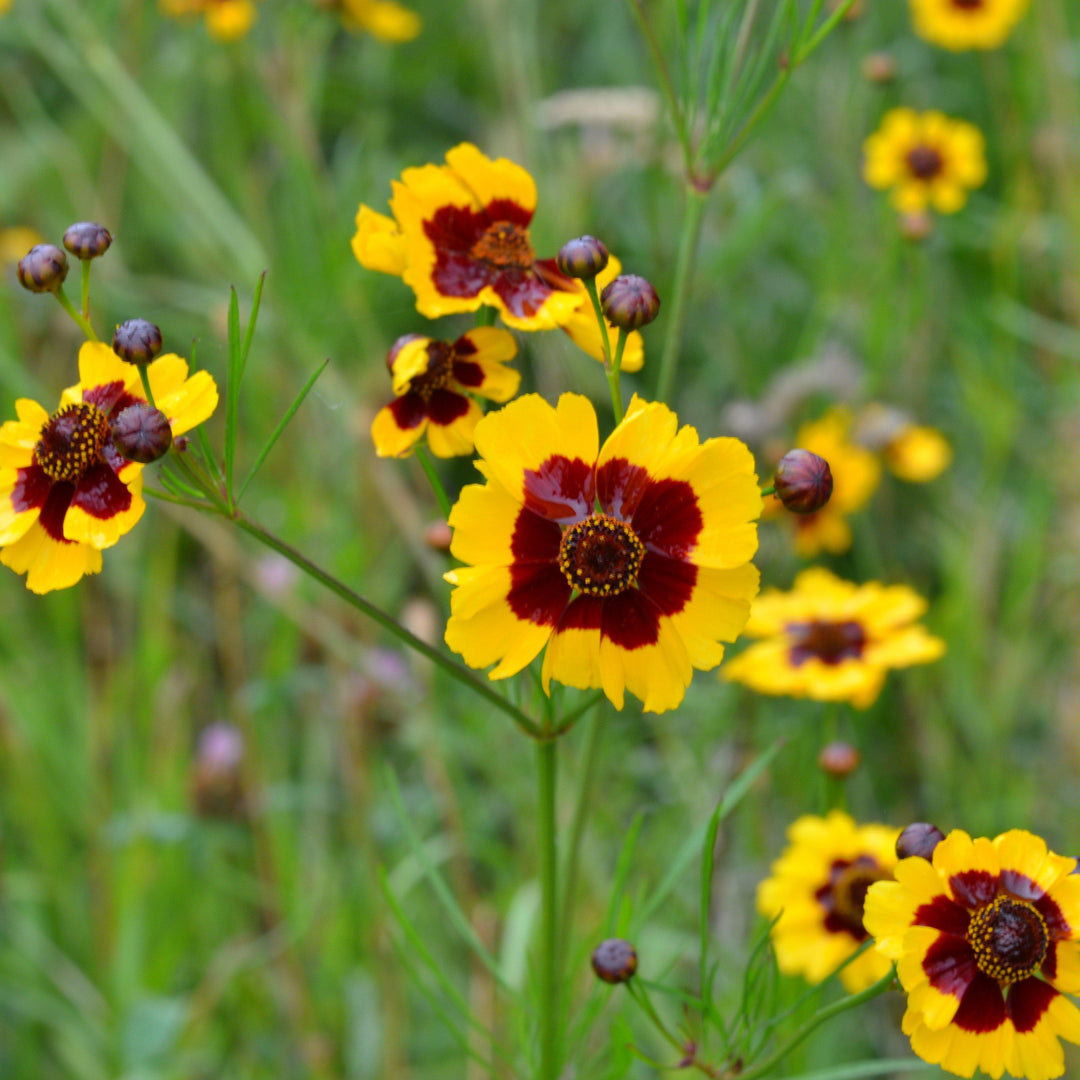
<point x="985" y="942"/>
<point x="832" y="640"/>
<point x="927" y="159"/>
<point x="628" y="563"/>
<point x="226" y="20"/>
<point x="383" y="19"/>
<point x="911" y="451"/>
<point x="967" y="24"/>
<point x="855" y="473"/>
<point x="816" y="895"/>
<point x="17" y="240"/>
<point x="66" y="492"/>
<point x="432" y="381"/>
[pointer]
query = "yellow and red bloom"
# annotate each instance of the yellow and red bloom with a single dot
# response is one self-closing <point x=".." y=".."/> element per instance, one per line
<point x="984" y="939"/>
<point x="384" y="19"/>
<point x="459" y="237"/>
<point x="432" y="380"/>
<point x="66" y="493"/>
<point x="630" y="562"/>
<point x="226" y="20"/>
<point x="927" y="159"/>
<point x="832" y="640"/>
<point x="816" y="894"/>
<point x="967" y="24"/>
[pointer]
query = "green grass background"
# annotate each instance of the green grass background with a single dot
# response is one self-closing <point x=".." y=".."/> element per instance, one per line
<point x="140" y="941"/>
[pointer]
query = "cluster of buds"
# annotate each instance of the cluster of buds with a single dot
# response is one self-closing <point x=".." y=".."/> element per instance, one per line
<point x="44" y="268"/>
<point x="629" y="302"/>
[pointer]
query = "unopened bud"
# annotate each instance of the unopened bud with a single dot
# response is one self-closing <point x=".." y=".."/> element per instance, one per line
<point x="137" y="341"/>
<point x="438" y="535"/>
<point x="918" y="840"/>
<point x="629" y="302"/>
<point x="839" y="759"/>
<point x="879" y="67"/>
<point x="43" y="268"/>
<point x="583" y="257"/>
<point x="803" y="481"/>
<point x="142" y="433"/>
<point x="87" y="239"/>
<point x="614" y="960"/>
<point x="916" y="226"/>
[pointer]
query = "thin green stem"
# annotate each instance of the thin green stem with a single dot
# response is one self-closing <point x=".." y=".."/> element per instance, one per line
<point x="80" y="322"/>
<point x="144" y="378"/>
<point x="641" y="999"/>
<point x="613" y="376"/>
<point x="433" y="479"/>
<point x="550" y="1055"/>
<point x="766" y="492"/>
<point x="581" y="812"/>
<point x="86" y="288"/>
<point x="485" y="316"/>
<point x="598" y="311"/>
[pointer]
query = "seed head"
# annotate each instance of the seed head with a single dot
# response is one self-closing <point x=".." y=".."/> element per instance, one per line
<point x="87" y="239"/>
<point x="839" y="759"/>
<point x="614" y="960"/>
<point x="629" y="302"/>
<point x="43" y="268"/>
<point x="137" y="341"/>
<point x="803" y="481"/>
<point x="583" y="258"/>
<point x="918" y="840"/>
<point x="142" y="433"/>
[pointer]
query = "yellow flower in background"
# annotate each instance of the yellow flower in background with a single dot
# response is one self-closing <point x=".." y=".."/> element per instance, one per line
<point x="912" y="452"/>
<point x="927" y="159"/>
<point x="66" y="493"/>
<point x="19" y="239"/>
<point x="817" y="888"/>
<point x="967" y="24"/>
<point x="626" y="564"/>
<point x="432" y="380"/>
<point x="985" y="942"/>
<point x="832" y="640"/>
<point x="226" y="20"/>
<point x="384" y="19"/>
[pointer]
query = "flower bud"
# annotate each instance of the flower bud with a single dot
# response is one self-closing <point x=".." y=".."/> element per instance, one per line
<point x="584" y="257"/>
<point x="614" y="960"/>
<point x="142" y="433"/>
<point x="918" y="840"/>
<point x="803" y="481"/>
<point x="137" y="341"/>
<point x="629" y="302"/>
<point x="839" y="759"/>
<point x="879" y="67"/>
<point x="43" y="268"/>
<point x="87" y="239"/>
<point x="438" y="535"/>
<point x="916" y="226"/>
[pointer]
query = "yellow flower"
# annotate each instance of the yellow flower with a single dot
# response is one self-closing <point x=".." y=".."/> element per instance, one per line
<point x="628" y="563"/>
<point x="926" y="159"/>
<point x="65" y="491"/>
<point x="817" y="889"/>
<point x="19" y="239"/>
<point x="984" y="939"/>
<point x="430" y="383"/>
<point x="832" y="640"/>
<point x="383" y="19"/>
<point x="967" y="24"/>
<point x="226" y="20"/>
<point x="459" y="237"/>
<point x="912" y="452"/>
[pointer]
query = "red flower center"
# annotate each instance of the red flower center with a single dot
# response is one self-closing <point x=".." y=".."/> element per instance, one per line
<point x="844" y="897"/>
<point x="504" y="245"/>
<point x="601" y="556"/>
<point x="829" y="642"/>
<point x="925" y="162"/>
<point x="1009" y="939"/>
<point x="968" y="5"/>
<point x="440" y="368"/>
<point x="71" y="442"/>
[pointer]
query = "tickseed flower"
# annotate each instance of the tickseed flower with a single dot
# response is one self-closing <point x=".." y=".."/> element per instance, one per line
<point x="817" y="889"/>
<point x="226" y="20"/>
<point x="926" y="159"/>
<point x="984" y="939"/>
<point x="17" y="240"/>
<point x="66" y="492"/>
<point x="967" y="24"/>
<point x="855" y="473"/>
<point x="430" y="383"/>
<point x="832" y="640"/>
<point x="383" y="19"/>
<point x="630" y="562"/>
<point x="910" y="451"/>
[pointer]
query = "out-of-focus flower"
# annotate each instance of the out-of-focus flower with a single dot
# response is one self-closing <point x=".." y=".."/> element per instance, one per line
<point x="384" y="19"/>
<point x="432" y="380"/>
<point x="984" y="939"/>
<point x="855" y="473"/>
<point x="927" y="159"/>
<point x="66" y="492"/>
<point x="912" y="452"/>
<point x="629" y="563"/>
<point x="459" y="237"/>
<point x="226" y="20"/>
<point x="967" y="24"/>
<point x="817" y="889"/>
<point x="832" y="640"/>
<point x="16" y="241"/>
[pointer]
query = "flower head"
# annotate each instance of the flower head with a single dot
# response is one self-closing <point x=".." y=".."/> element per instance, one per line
<point x="926" y="159"/>
<point x="831" y="640"/>
<point x="630" y="562"/>
<point x="66" y="492"/>
<point x="430" y="383"/>
<point x="984" y="939"/>
<point x="383" y="19"/>
<point x="816" y="895"/>
<point x="226" y="20"/>
<point x="910" y="451"/>
<point x="967" y="24"/>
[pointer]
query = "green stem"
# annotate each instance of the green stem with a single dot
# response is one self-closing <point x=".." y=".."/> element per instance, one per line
<point x="433" y="479"/>
<point x="598" y="311"/>
<point x="770" y="490"/>
<point x="581" y="812"/>
<point x="485" y="316"/>
<point x="86" y="288"/>
<point x="83" y="324"/>
<point x="144" y="378"/>
<point x="696" y="199"/>
<point x="550" y="975"/>
<point x="613" y="376"/>
<point x="641" y="999"/>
